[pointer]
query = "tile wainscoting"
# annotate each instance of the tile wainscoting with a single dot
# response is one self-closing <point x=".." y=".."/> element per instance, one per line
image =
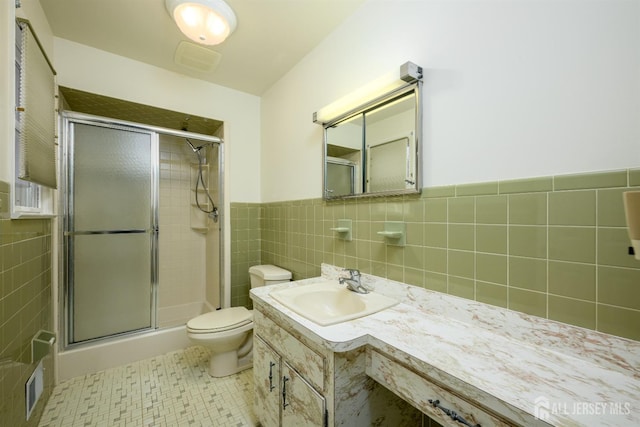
<point x="245" y="248"/>
<point x="555" y="247"/>
<point x="25" y="308"/>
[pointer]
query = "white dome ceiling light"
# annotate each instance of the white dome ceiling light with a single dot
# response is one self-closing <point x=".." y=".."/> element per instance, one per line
<point x="207" y="22"/>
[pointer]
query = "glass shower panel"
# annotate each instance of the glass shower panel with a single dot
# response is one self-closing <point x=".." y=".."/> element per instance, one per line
<point x="112" y="293"/>
<point x="111" y="231"/>
<point x="112" y="180"/>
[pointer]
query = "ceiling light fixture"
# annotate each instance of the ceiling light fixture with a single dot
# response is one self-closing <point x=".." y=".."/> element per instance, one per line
<point x="207" y="22"/>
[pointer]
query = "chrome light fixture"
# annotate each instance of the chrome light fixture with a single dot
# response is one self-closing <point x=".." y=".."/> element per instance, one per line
<point x="408" y="73"/>
<point x="207" y="22"/>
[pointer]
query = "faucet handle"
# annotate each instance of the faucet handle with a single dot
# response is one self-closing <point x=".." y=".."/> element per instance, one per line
<point x="353" y="282"/>
<point x="354" y="273"/>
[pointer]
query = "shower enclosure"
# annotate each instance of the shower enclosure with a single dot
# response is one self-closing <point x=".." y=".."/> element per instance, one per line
<point x="126" y="189"/>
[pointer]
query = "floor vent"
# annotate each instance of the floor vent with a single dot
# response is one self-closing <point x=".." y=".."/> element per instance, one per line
<point x="33" y="388"/>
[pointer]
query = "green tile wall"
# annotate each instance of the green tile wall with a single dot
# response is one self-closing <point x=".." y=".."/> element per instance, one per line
<point x="25" y="308"/>
<point x="245" y="249"/>
<point x="296" y="235"/>
<point x="554" y="247"/>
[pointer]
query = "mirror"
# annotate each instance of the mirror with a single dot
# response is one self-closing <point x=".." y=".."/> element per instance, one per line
<point x="374" y="149"/>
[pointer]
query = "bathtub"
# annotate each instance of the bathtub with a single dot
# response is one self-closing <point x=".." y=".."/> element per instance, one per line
<point x="117" y="351"/>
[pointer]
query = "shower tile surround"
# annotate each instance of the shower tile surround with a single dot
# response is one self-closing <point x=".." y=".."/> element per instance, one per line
<point x="25" y="308"/>
<point x="182" y="279"/>
<point x="554" y="247"/>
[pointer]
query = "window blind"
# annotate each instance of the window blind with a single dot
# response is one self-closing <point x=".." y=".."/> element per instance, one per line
<point x="36" y="106"/>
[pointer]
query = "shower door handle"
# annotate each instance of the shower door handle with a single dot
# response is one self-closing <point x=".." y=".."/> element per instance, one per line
<point x="97" y="232"/>
<point x="154" y="230"/>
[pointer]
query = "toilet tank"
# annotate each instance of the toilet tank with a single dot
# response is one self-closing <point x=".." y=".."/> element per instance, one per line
<point x="264" y="275"/>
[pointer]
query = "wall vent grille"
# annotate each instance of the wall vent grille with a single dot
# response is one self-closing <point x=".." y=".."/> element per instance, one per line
<point x="33" y="388"/>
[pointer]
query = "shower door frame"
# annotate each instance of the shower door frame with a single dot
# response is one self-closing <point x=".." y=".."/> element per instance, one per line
<point x="66" y="200"/>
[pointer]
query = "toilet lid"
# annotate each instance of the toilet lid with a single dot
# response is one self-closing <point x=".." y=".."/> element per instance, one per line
<point x="221" y="320"/>
<point x="270" y="272"/>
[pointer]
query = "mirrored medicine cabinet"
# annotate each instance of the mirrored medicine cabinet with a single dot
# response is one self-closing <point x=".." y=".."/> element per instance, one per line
<point x="374" y="149"/>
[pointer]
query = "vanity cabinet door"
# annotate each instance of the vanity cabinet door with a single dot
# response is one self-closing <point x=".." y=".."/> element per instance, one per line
<point x="301" y="404"/>
<point x="302" y="358"/>
<point x="267" y="380"/>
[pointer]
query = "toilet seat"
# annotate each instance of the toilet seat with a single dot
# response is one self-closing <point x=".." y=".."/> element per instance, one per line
<point x="220" y="320"/>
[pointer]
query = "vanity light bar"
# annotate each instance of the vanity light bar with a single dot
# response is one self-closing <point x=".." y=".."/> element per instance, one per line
<point x="409" y="73"/>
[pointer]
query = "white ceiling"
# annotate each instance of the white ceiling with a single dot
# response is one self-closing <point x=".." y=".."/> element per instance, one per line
<point x="271" y="36"/>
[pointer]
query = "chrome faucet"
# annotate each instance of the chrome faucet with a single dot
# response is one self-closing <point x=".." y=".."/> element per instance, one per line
<point x="353" y="281"/>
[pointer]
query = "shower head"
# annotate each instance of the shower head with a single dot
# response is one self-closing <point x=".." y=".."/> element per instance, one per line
<point x="197" y="148"/>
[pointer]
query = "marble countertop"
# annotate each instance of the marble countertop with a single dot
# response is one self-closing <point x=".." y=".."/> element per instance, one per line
<point x="529" y="369"/>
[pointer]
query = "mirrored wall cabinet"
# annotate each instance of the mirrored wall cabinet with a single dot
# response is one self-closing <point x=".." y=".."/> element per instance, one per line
<point x="372" y="144"/>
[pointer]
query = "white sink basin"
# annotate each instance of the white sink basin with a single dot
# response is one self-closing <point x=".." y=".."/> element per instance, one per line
<point x="328" y="303"/>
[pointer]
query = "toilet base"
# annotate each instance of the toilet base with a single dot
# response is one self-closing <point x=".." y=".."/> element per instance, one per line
<point x="225" y="364"/>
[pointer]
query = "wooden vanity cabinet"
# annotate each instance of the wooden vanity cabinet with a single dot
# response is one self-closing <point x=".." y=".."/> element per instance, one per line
<point x="302" y="383"/>
<point x="443" y="405"/>
<point x="301" y="403"/>
<point x="283" y="396"/>
<point x="266" y="378"/>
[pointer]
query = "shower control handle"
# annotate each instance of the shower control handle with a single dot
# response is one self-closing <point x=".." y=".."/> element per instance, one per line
<point x="214" y="215"/>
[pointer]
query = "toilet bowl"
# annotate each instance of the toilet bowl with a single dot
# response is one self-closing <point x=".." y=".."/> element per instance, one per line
<point x="228" y="332"/>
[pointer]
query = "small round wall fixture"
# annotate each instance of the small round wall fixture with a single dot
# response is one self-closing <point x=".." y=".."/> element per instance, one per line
<point x="207" y="22"/>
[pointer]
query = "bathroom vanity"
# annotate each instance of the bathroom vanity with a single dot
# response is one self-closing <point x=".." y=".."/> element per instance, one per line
<point x="456" y="360"/>
<point x="299" y="382"/>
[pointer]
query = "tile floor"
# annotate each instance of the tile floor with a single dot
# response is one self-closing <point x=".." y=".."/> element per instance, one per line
<point x="169" y="390"/>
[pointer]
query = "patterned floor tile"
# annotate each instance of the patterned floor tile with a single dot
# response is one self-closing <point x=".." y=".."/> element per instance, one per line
<point x="170" y="390"/>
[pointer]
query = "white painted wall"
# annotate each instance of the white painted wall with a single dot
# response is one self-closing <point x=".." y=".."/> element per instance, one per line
<point x="513" y="89"/>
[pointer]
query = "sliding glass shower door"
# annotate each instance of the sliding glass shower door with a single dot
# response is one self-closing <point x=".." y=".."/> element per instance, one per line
<point x="110" y="228"/>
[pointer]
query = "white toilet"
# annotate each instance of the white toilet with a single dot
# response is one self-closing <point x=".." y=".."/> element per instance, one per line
<point x="228" y="332"/>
